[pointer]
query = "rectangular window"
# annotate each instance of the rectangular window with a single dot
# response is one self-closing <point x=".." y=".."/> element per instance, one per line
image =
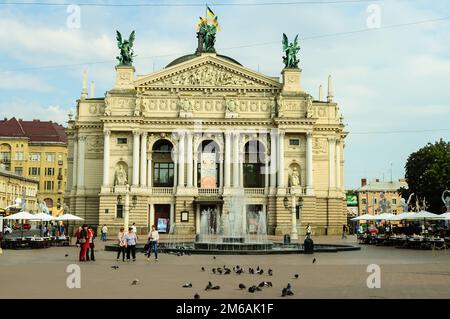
<point x="35" y="157"/>
<point x="375" y="201"/>
<point x="18" y="156"/>
<point x="49" y="185"/>
<point x="394" y="201"/>
<point x="119" y="211"/>
<point x="364" y="201"/>
<point x="163" y="174"/>
<point x="50" y="157"/>
<point x="49" y="171"/>
<point x="122" y="140"/>
<point x="294" y="141"/>
<point x="34" y="171"/>
<point x="18" y="170"/>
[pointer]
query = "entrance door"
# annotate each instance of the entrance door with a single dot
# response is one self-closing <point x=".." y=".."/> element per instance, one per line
<point x="162" y="215"/>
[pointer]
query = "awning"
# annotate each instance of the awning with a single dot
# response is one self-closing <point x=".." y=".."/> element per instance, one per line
<point x="208" y="200"/>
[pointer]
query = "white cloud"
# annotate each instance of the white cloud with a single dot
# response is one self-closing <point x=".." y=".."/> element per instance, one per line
<point x="20" y="81"/>
<point x="27" y="110"/>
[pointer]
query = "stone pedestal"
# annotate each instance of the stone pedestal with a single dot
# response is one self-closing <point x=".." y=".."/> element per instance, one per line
<point x="124" y="77"/>
<point x="291" y="80"/>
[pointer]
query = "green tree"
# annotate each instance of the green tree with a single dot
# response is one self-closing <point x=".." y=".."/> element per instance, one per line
<point x="427" y="172"/>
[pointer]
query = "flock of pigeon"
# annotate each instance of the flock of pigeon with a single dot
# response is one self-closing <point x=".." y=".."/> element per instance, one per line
<point x="238" y="270"/>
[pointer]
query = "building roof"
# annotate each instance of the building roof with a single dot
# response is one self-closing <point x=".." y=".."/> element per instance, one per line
<point x="9" y="174"/>
<point x="36" y="131"/>
<point x="391" y="186"/>
<point x="188" y="57"/>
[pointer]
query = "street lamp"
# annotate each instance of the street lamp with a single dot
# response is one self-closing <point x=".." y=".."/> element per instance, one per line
<point x="293" y="207"/>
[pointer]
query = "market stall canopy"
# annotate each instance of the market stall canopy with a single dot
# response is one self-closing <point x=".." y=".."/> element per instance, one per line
<point x="22" y="215"/>
<point x="445" y="216"/>
<point x="401" y="216"/>
<point x="66" y="217"/>
<point x="44" y="217"/>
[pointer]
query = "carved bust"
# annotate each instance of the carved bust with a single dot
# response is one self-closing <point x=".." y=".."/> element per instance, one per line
<point x="121" y="177"/>
<point x="231" y="106"/>
<point x="185" y="105"/>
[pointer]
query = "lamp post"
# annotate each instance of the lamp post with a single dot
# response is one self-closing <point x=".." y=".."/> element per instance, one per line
<point x="127" y="208"/>
<point x="293" y="207"/>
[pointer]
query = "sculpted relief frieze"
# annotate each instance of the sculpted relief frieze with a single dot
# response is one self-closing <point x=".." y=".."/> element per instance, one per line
<point x="320" y="146"/>
<point x="206" y="75"/>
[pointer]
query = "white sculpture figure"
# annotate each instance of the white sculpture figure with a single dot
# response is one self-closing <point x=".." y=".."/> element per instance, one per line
<point x="121" y="177"/>
<point x="446" y="200"/>
<point x="405" y="204"/>
<point x="186" y="108"/>
<point x="43" y="207"/>
<point x="107" y="111"/>
<point x="295" y="178"/>
<point x="309" y="107"/>
<point x="231" y="106"/>
<point x="385" y="205"/>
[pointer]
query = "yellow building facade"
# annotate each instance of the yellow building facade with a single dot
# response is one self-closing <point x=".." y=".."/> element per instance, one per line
<point x="13" y="186"/>
<point x="38" y="150"/>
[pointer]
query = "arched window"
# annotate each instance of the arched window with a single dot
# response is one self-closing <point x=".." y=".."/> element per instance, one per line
<point x="163" y="166"/>
<point x="5" y="156"/>
<point x="208" y="158"/>
<point x="253" y="166"/>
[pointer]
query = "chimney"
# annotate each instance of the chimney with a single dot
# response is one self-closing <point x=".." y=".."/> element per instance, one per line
<point x="363" y="182"/>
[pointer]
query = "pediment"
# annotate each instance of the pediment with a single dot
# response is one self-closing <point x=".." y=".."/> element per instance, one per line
<point x="207" y="71"/>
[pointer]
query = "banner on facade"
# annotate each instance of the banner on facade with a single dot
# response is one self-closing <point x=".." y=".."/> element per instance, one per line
<point x="208" y="170"/>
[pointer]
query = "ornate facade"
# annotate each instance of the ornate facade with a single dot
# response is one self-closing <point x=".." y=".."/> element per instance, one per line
<point x="184" y="139"/>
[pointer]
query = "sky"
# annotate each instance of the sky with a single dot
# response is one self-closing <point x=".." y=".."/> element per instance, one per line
<point x="389" y="59"/>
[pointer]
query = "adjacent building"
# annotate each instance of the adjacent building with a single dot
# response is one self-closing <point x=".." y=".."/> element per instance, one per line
<point x="36" y="149"/>
<point x="13" y="187"/>
<point x="369" y="195"/>
<point x="203" y="136"/>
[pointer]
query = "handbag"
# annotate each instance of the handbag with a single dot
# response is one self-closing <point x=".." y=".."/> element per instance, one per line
<point x="82" y="241"/>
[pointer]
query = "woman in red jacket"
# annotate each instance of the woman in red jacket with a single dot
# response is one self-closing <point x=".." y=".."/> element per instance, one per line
<point x="85" y="237"/>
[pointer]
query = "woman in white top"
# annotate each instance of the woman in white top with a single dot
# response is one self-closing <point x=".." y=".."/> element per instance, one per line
<point x="153" y="237"/>
<point x="122" y="244"/>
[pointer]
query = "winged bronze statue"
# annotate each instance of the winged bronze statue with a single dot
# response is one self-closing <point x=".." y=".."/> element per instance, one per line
<point x="126" y="49"/>
<point x="290" y="60"/>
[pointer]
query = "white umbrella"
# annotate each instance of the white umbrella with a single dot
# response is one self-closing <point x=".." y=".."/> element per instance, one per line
<point x="445" y="216"/>
<point x="384" y="216"/>
<point x="421" y="215"/>
<point x="43" y="217"/>
<point x="67" y="217"/>
<point x="22" y="215"/>
<point x="365" y="217"/>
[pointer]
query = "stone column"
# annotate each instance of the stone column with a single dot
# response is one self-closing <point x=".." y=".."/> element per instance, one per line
<point x="221" y="170"/>
<point x="281" y="160"/>
<point x="135" y="180"/>
<point x="126" y="217"/>
<point x="266" y="171"/>
<point x="189" y="159"/>
<point x="227" y="158"/>
<point x="309" y="164"/>
<point x="172" y="217"/>
<point x="236" y="176"/>
<point x="144" y="159"/>
<point x="106" y="155"/>
<point x="149" y="172"/>
<point x="273" y="158"/>
<point x="195" y="157"/>
<point x="151" y="216"/>
<point x="81" y="155"/>
<point x="74" y="163"/>
<point x="181" y="161"/>
<point x="338" y="164"/>
<point x="197" y="220"/>
<point x="331" y="162"/>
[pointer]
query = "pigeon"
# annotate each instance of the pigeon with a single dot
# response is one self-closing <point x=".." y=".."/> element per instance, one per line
<point x="187" y="285"/>
<point x="314" y="260"/>
<point x="257" y="268"/>
<point x="219" y="270"/>
<point x="268" y="283"/>
<point x="135" y="282"/>
<point x="287" y="291"/>
<point x="215" y="287"/>
<point x="270" y="272"/>
<point x="242" y="286"/>
<point x="260" y="272"/>
<point x="214" y="257"/>
<point x="261" y="284"/>
<point x="239" y="271"/>
<point x="209" y="286"/>
<point x="214" y="270"/>
<point x="196" y="296"/>
<point x="258" y="288"/>
<point x="227" y="271"/>
<point x="296" y="276"/>
<point x="284" y="292"/>
<point x="252" y="289"/>
<point x="203" y="268"/>
<point x="66" y="255"/>
<point x="115" y="267"/>
<point x="251" y="271"/>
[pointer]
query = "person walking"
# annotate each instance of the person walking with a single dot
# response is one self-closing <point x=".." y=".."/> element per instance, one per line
<point x="308" y="231"/>
<point x="62" y="229"/>
<point x="77" y="235"/>
<point x="122" y="244"/>
<point x="83" y="240"/>
<point x="90" y="248"/>
<point x="104" y="233"/>
<point x="153" y="237"/>
<point x="131" y="240"/>
<point x="134" y="228"/>
<point x="344" y="231"/>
